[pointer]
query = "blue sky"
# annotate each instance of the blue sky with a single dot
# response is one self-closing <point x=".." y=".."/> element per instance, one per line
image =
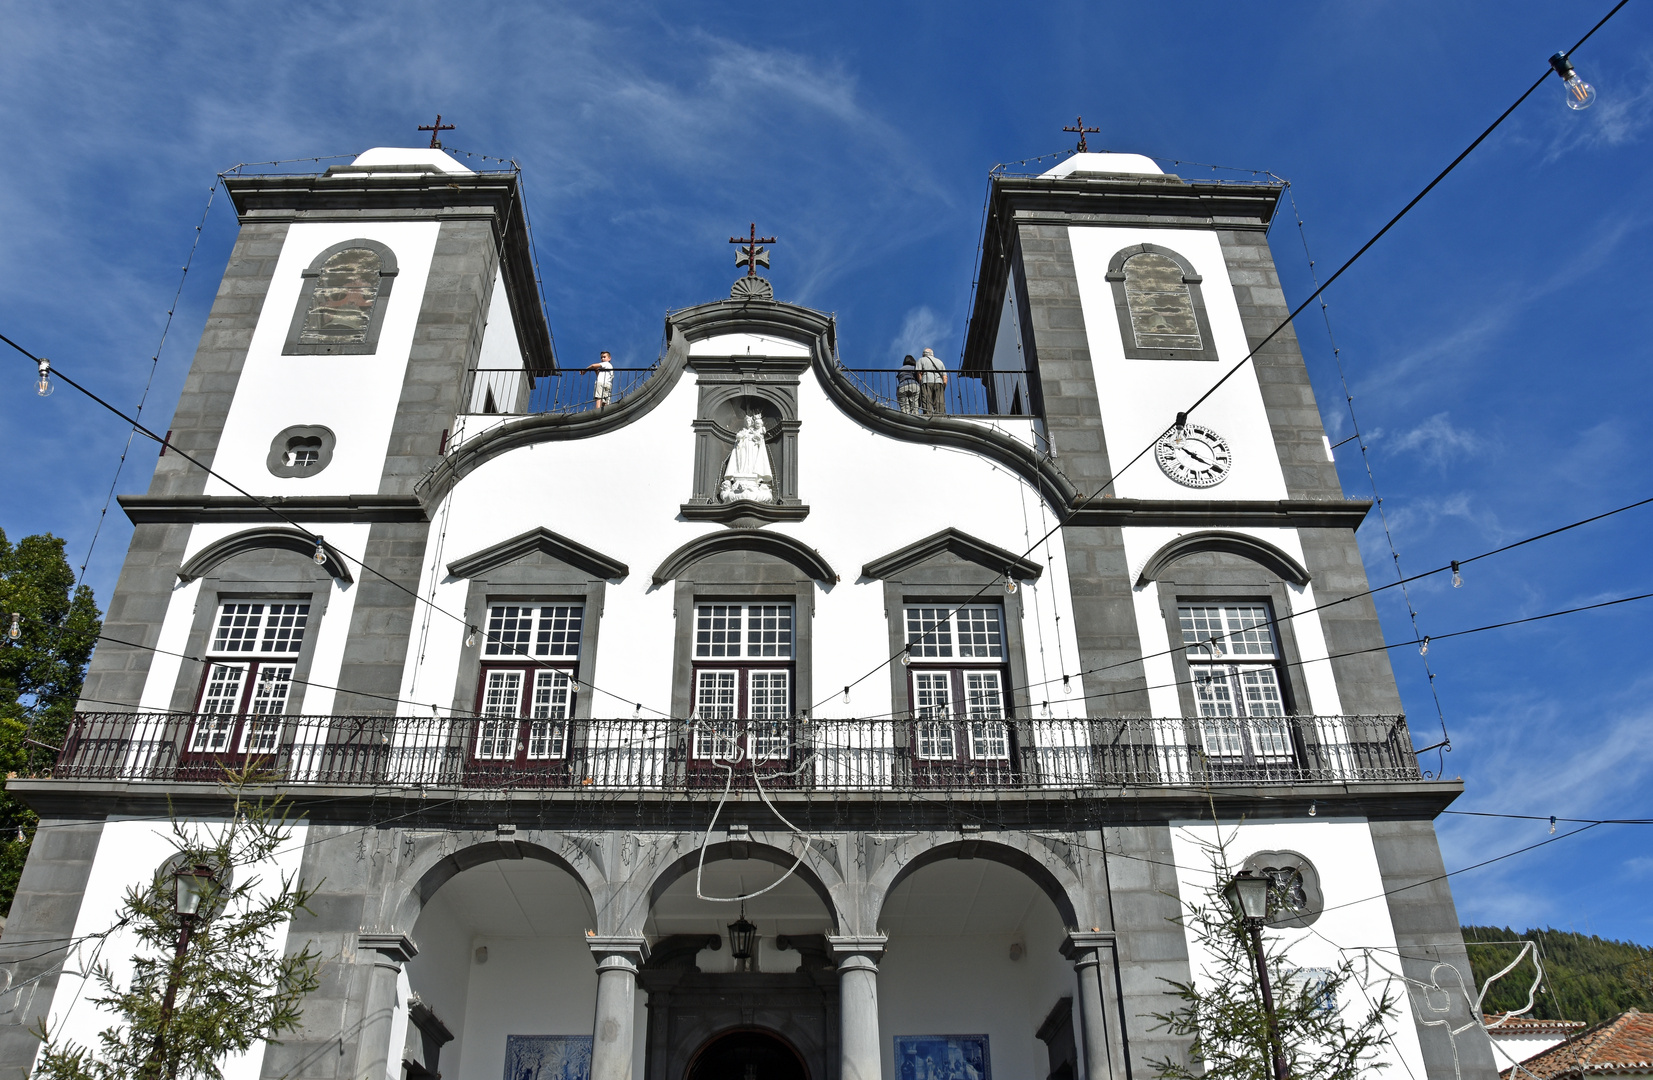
<point x="1495" y="342"/>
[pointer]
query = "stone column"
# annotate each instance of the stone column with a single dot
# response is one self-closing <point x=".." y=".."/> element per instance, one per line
<point x="612" y="1038"/>
<point x="1092" y="955"/>
<point x="859" y="1044"/>
<point x="373" y="1049"/>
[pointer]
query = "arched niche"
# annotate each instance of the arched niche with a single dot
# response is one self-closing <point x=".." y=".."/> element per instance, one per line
<point x="208" y="558"/>
<point x="1161" y="311"/>
<point x="1261" y="552"/>
<point x="901" y="865"/>
<point x="341" y="304"/>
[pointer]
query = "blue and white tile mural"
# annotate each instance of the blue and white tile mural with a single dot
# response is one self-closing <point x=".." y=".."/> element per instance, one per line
<point x="942" y="1057"/>
<point x="547" y="1057"/>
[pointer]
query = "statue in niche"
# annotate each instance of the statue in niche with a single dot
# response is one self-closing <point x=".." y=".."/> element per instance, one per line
<point x="748" y="474"/>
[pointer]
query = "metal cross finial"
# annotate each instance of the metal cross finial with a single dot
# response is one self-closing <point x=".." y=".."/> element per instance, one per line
<point x="1081" y="129"/>
<point x="439" y="127"/>
<point x="749" y="252"/>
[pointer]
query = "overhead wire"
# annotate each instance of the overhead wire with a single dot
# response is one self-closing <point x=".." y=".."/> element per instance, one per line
<point x="1182" y="416"/>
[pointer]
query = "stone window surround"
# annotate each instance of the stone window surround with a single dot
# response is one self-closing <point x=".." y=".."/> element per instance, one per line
<point x="727" y="587"/>
<point x="1190" y="278"/>
<point x="901" y="592"/>
<point x="529" y="585"/>
<point x="285" y="576"/>
<point x="367" y="347"/>
<point x="276" y="463"/>
<point x="1233" y="587"/>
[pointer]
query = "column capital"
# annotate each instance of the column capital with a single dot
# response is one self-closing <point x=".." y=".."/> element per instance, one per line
<point x="1081" y="945"/>
<point x="618" y="950"/>
<point x="845" y="946"/>
<point x="396" y="947"/>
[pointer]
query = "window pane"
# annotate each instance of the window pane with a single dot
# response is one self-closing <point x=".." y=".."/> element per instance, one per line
<point x="223" y="692"/>
<point x="547" y="738"/>
<point x="1250" y="630"/>
<point x="553" y="695"/>
<point x="270" y="689"/>
<point x="1212" y="689"/>
<point x="929" y="632"/>
<point x="212" y="735"/>
<point x="1199" y="626"/>
<point x="935" y="739"/>
<point x="990" y="739"/>
<point x="768" y="740"/>
<point x="769" y="630"/>
<point x="559" y="630"/>
<point x="496" y="739"/>
<point x="1260" y="689"/>
<point x="341" y="300"/>
<point x="932" y="694"/>
<point x="1239" y="630"/>
<point x="1222" y="738"/>
<point x="979" y="632"/>
<point x="717" y="740"/>
<point x="237" y="629"/>
<point x="981" y="695"/>
<point x="509" y="627"/>
<point x="502" y="694"/>
<point x="284" y="627"/>
<point x="717" y="630"/>
<point x="715" y="695"/>
<point x="768" y="695"/>
<point x="1162" y="309"/>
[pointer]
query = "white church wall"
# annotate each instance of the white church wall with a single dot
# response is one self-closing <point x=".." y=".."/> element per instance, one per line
<point x="1140" y="398"/>
<point x="1356" y="915"/>
<point x="355" y="396"/>
<point x="130" y="851"/>
<point x="1141" y="545"/>
<point x="529" y="986"/>
<point x="441" y="974"/>
<point x="844" y="468"/>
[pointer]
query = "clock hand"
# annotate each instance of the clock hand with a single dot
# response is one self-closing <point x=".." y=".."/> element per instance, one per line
<point x="1195" y="456"/>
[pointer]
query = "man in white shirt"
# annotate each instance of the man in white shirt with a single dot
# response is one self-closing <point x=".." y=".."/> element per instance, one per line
<point x="932" y="384"/>
<point x="604" y="367"/>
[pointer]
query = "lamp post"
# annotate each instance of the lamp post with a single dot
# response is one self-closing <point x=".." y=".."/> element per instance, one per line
<point x="190" y="886"/>
<point x="1247" y="895"/>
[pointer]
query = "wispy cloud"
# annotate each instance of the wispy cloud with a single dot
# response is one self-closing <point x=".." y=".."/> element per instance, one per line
<point x="921" y="329"/>
<point x="1437" y="440"/>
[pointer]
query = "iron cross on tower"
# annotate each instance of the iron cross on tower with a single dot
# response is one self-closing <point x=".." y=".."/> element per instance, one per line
<point x="750" y="253"/>
<point x="439" y="127"/>
<point x="1081" y="129"/>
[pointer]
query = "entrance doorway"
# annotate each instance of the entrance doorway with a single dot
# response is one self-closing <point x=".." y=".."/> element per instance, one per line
<point x="747" y="1055"/>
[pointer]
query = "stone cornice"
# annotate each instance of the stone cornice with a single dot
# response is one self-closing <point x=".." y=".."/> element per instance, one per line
<point x="422" y="195"/>
<point x="1224" y="513"/>
<point x="189" y="509"/>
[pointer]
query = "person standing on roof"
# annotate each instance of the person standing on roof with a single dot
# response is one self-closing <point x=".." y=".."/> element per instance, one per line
<point x="932" y="382"/>
<point x="604" y="388"/>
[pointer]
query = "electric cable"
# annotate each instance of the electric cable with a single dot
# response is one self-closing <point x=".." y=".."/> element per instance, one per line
<point x="1183" y="415"/>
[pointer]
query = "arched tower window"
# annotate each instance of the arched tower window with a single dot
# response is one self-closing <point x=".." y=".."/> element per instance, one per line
<point x="342" y="302"/>
<point x="1161" y="311"/>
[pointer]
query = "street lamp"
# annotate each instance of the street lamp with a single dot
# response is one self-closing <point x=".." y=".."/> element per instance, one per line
<point x="741" y="937"/>
<point x="1247" y="896"/>
<point x="191" y="885"/>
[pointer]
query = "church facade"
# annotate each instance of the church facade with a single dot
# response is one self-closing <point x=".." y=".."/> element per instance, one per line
<point x="748" y="714"/>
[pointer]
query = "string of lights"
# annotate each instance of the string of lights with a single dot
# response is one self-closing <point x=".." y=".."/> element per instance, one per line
<point x="322" y="551"/>
<point x="1181" y="420"/>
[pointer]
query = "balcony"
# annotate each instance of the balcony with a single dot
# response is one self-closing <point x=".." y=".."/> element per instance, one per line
<point x="994" y="393"/>
<point x="516" y="392"/>
<point x="800" y="755"/>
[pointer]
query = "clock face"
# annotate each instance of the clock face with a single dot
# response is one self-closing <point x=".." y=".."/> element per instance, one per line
<point x="1194" y="456"/>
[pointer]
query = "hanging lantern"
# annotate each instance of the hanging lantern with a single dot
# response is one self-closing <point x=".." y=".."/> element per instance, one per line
<point x="742" y="936"/>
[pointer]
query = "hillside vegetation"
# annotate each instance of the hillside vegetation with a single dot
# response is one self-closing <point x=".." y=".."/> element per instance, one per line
<point x="1585" y="977"/>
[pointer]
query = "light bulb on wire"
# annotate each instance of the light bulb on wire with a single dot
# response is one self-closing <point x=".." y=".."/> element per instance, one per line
<point x="16" y="630"/>
<point x="1423" y="646"/>
<point x="1009" y="581"/>
<point x="907" y="654"/>
<point x="1552" y="824"/>
<point x="846" y="695"/>
<point x="470" y="637"/>
<point x="1457" y="578"/>
<point x="1067" y="684"/>
<point x="321" y="553"/>
<point x="44" y="386"/>
<point x="1580" y="94"/>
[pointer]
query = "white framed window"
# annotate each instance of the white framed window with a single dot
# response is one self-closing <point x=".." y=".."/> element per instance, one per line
<point x="252" y="655"/>
<point x="743" y="631"/>
<point x="259" y="627"/>
<point x="945" y="633"/>
<point x="935" y="740"/>
<point x="743" y="681"/>
<point x="548" y="630"/>
<point x="523" y="714"/>
<point x="956" y="681"/>
<point x="933" y="694"/>
<point x="1234" y="661"/>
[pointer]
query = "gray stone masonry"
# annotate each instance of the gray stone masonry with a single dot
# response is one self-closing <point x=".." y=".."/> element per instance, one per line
<point x="1366" y="681"/>
<point x="198" y="422"/>
<point x="1292" y="412"/>
<point x="1142" y="880"/>
<point x="42" y="919"/>
<point x="1427" y="932"/>
<point x="1104" y="618"/>
<point x="117" y="672"/>
<point x="446" y="342"/>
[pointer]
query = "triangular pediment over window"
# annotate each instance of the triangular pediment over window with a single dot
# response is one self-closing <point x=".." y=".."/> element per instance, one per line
<point x="958" y="544"/>
<point x="542" y="541"/>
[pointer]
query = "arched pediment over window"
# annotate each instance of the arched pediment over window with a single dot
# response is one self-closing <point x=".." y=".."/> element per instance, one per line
<point x="254" y="539"/>
<point x="1161" y="311"/>
<point x="778" y="545"/>
<point x="1258" y="551"/>
<point x="342" y="302"/>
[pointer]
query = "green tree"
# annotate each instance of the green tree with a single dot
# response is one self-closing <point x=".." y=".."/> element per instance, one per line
<point x="41" y="672"/>
<point x="233" y="984"/>
<point x="1586" y="977"/>
<point x="1221" y="1009"/>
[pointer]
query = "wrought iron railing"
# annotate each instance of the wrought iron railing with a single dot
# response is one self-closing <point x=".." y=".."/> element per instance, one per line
<point x="647" y="754"/>
<point x="515" y="391"/>
<point x="999" y="393"/>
